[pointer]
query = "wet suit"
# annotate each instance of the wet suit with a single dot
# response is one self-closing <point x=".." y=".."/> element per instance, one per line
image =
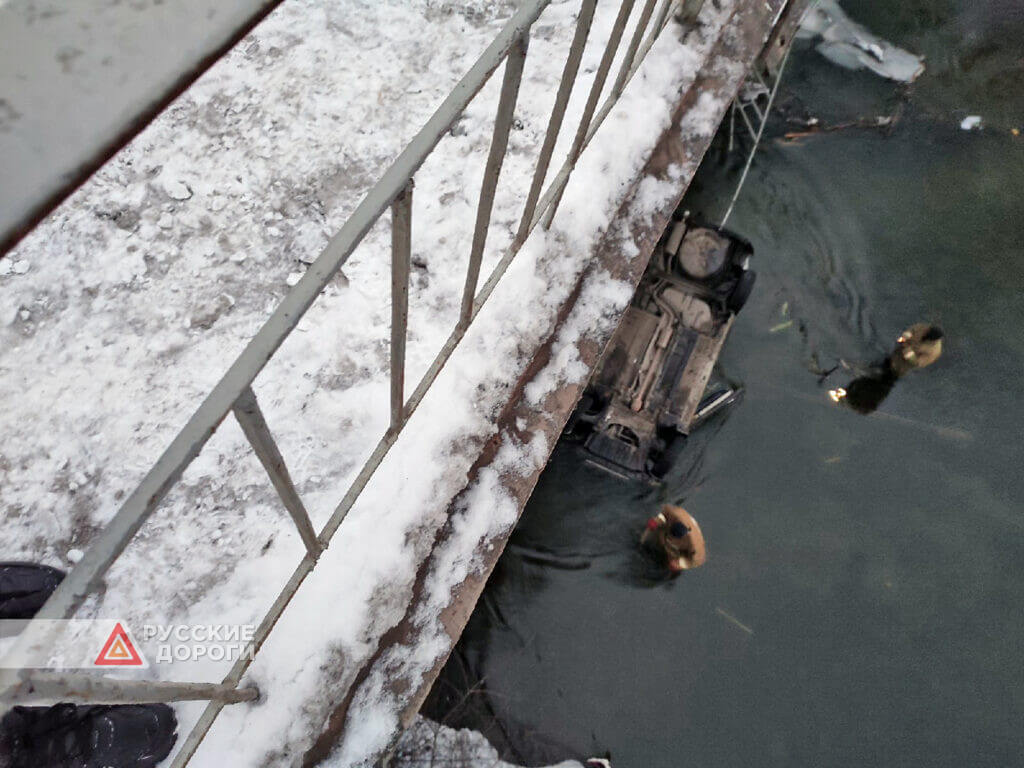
<point x="677" y="537"/>
<point x="918" y="346"/>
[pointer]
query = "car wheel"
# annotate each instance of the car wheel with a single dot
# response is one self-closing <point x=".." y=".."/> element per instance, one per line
<point x="741" y="291"/>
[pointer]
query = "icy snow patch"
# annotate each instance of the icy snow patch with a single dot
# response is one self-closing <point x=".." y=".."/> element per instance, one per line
<point x="853" y="46"/>
<point x="428" y="743"/>
<point x="599" y="295"/>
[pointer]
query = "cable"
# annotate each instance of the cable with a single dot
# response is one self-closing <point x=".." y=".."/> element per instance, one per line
<point x="764" y="122"/>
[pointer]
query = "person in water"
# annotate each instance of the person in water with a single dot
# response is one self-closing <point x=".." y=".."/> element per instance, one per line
<point x="917" y="347"/>
<point x="674" y="534"/>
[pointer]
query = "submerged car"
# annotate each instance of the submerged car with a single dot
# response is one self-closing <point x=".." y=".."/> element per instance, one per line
<point x="651" y="387"/>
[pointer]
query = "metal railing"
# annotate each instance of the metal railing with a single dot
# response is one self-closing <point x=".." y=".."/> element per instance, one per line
<point x="758" y="88"/>
<point x="234" y="394"/>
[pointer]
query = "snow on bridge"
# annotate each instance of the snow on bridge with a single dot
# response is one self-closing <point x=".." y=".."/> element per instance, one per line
<point x="126" y="305"/>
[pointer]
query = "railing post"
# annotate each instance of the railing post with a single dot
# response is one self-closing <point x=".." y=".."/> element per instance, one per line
<point x="496" y="156"/>
<point x="760" y="130"/>
<point x="634" y="45"/>
<point x="660" y="22"/>
<point x="254" y="425"/>
<point x="595" y="94"/>
<point x="572" y="66"/>
<point x="661" y="19"/>
<point x="89" y="689"/>
<point x="401" y="250"/>
<point x="732" y="126"/>
<point x="746" y="118"/>
<point x="690" y="11"/>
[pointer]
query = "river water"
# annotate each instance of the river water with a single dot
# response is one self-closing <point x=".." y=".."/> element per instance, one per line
<point x="863" y="599"/>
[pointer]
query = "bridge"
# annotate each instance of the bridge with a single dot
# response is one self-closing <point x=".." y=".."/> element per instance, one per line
<point x="403" y="395"/>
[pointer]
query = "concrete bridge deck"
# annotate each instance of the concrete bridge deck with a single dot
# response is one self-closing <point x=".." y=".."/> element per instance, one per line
<point x="395" y="671"/>
<point x="354" y="653"/>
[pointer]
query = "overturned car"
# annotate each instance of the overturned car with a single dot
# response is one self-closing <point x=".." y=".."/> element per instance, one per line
<point x="651" y="387"/>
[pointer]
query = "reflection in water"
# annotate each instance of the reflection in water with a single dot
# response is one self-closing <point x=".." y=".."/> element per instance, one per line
<point x="866" y="393"/>
<point x="643" y="569"/>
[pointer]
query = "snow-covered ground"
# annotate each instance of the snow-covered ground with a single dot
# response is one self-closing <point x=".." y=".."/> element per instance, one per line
<point x="427" y="743"/>
<point x="124" y="307"/>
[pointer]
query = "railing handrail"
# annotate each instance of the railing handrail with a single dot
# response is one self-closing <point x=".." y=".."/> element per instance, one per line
<point x="257" y="353"/>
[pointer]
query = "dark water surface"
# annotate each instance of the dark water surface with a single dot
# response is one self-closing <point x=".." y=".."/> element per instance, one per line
<point x="863" y="600"/>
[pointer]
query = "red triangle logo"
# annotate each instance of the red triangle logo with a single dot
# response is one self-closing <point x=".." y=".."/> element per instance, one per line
<point x="118" y="651"/>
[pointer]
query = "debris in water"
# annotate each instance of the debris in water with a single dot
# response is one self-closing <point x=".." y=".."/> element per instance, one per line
<point x="833" y="459"/>
<point x="850" y="45"/>
<point x="732" y="619"/>
<point x="971" y="123"/>
<point x="815" y="126"/>
<point x="780" y="327"/>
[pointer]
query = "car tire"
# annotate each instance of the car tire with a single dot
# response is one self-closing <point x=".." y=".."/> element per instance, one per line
<point x="741" y="291"/>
